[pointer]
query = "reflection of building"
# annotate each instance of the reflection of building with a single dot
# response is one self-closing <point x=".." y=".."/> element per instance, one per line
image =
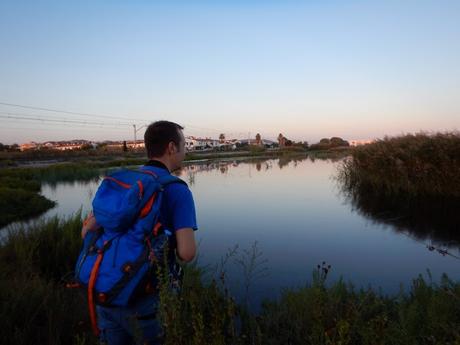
<point x="189" y="170"/>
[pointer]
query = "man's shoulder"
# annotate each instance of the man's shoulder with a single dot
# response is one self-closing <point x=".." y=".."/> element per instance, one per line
<point x="177" y="186"/>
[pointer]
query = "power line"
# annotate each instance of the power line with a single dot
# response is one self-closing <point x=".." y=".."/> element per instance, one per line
<point x="70" y="112"/>
<point x="95" y="115"/>
<point x="112" y="117"/>
<point x="39" y="119"/>
<point x="54" y="129"/>
<point x="57" y="117"/>
<point x="57" y="126"/>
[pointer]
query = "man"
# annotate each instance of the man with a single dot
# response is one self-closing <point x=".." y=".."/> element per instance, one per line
<point x="165" y="144"/>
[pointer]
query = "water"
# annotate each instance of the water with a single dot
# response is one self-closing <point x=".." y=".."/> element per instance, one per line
<point x="298" y="217"/>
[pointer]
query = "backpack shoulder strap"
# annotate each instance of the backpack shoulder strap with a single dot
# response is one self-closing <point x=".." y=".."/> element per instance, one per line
<point x="169" y="179"/>
<point x="163" y="180"/>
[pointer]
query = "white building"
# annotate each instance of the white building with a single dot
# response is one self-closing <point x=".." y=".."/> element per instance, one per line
<point x="197" y="144"/>
<point x="29" y="146"/>
<point x="138" y="144"/>
<point x="358" y="142"/>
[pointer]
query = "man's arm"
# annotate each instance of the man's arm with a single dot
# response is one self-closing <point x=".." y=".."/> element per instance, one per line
<point x="186" y="246"/>
<point x="89" y="224"/>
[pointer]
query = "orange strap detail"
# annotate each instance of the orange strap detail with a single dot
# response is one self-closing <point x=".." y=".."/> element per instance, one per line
<point x="148" y="206"/>
<point x="141" y="188"/>
<point x="156" y="228"/>
<point x="149" y="172"/>
<point x="91" y="303"/>
<point x="124" y="185"/>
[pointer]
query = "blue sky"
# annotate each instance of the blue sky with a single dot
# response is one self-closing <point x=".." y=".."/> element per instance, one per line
<point x="309" y="69"/>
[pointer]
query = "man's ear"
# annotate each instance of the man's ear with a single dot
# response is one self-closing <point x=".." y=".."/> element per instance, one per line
<point x="172" y="147"/>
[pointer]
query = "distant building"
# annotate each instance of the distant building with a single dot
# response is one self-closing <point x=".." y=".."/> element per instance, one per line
<point x="70" y="145"/>
<point x="29" y="146"/>
<point x="263" y="142"/>
<point x="197" y="144"/>
<point x="138" y="144"/>
<point x="358" y="142"/>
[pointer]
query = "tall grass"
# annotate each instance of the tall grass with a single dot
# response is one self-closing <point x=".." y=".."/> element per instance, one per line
<point x="416" y="165"/>
<point x="36" y="308"/>
<point x="428" y="314"/>
<point x="19" y="204"/>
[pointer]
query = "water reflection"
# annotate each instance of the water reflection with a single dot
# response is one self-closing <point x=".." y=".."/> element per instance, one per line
<point x="436" y="219"/>
<point x="191" y="169"/>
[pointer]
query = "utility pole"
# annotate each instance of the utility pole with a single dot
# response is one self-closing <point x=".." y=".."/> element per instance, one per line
<point x="135" y="132"/>
<point x="135" y="135"/>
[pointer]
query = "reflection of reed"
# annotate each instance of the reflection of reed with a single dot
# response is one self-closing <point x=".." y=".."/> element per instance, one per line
<point x="432" y="218"/>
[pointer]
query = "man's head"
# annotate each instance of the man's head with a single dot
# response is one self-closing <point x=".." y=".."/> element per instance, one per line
<point x="165" y="142"/>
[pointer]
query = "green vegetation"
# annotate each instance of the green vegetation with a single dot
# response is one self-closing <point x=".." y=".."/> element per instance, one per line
<point x="36" y="307"/>
<point x="19" y="198"/>
<point x="19" y="204"/>
<point x="428" y="314"/>
<point x="102" y="153"/>
<point x="416" y="165"/>
<point x="332" y="143"/>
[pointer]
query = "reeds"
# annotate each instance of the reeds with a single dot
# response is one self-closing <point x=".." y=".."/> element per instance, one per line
<point x="412" y="165"/>
<point x="411" y="182"/>
<point x="35" y="306"/>
<point x="316" y="314"/>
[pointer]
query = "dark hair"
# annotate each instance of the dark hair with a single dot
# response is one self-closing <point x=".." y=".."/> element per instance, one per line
<point x="159" y="134"/>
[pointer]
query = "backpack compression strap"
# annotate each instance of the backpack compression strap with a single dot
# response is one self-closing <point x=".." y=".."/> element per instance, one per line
<point x="91" y="285"/>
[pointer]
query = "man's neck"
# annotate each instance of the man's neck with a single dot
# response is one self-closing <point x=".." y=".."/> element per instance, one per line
<point x="162" y="163"/>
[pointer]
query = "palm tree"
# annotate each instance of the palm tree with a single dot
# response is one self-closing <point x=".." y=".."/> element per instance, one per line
<point x="281" y="140"/>
<point x="222" y="138"/>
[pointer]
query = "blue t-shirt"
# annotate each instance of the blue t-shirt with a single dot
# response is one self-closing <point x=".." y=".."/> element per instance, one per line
<point x="178" y="208"/>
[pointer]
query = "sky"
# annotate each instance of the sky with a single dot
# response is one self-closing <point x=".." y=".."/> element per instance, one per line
<point x="308" y="69"/>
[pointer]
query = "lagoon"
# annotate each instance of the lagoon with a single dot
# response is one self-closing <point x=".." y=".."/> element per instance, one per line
<point x="296" y="213"/>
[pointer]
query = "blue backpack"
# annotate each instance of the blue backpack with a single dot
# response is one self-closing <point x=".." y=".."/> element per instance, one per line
<point x="120" y="260"/>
